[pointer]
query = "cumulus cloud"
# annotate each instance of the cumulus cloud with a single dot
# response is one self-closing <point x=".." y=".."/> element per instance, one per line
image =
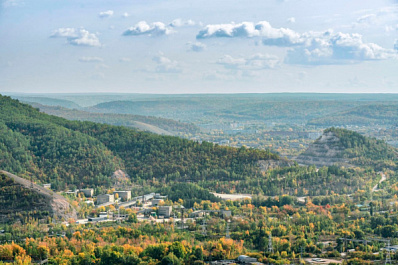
<point x="336" y="48"/>
<point x="78" y="37"/>
<point x="166" y="65"/>
<point x="181" y="23"/>
<point x="255" y="62"/>
<point x="271" y="36"/>
<point x="196" y="47"/>
<point x="143" y="28"/>
<point x="88" y="59"/>
<point x="106" y="14"/>
<point x="311" y="48"/>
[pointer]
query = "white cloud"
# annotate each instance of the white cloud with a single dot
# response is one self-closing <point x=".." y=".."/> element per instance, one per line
<point x="196" y="47"/>
<point x="181" y="23"/>
<point x="270" y="35"/>
<point x="125" y="15"/>
<point x="88" y="59"/>
<point x="336" y="48"/>
<point x="313" y="48"/>
<point x="396" y="45"/>
<point x="255" y="62"/>
<point x="291" y="20"/>
<point x="166" y="65"/>
<point x="106" y="14"/>
<point x="143" y="28"/>
<point x="78" y="37"/>
<point x="391" y="28"/>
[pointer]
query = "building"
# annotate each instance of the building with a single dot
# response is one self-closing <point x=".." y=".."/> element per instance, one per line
<point x="125" y="195"/>
<point x="47" y="186"/>
<point x="105" y="198"/>
<point x="88" y="193"/>
<point x="158" y="196"/>
<point x="243" y="259"/>
<point x="156" y="202"/>
<point x="165" y="211"/>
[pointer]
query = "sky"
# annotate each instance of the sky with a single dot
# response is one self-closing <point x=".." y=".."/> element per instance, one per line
<point x="198" y="46"/>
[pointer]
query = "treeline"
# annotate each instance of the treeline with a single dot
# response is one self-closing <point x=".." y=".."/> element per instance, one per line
<point x="300" y="181"/>
<point x="52" y="149"/>
<point x="190" y="194"/>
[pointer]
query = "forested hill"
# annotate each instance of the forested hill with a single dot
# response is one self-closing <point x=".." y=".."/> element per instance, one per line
<point x="66" y="153"/>
<point x="341" y="146"/>
<point x="375" y="114"/>
<point x="145" y="123"/>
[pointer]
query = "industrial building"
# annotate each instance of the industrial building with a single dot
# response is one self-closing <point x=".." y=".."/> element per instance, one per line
<point x="88" y="193"/>
<point x="105" y="198"/>
<point x="125" y="195"/>
<point x="165" y="211"/>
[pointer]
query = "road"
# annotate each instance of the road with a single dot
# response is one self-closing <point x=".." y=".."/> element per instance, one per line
<point x="383" y="178"/>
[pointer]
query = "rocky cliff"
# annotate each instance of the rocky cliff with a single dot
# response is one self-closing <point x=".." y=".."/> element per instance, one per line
<point x="325" y="151"/>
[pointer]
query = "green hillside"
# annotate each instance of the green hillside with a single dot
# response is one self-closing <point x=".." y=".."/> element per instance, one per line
<point x="363" y="150"/>
<point x="65" y="153"/>
<point x="377" y="114"/>
<point x="345" y="147"/>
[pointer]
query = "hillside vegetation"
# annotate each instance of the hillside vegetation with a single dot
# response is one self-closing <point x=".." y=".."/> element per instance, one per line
<point x="23" y="201"/>
<point x="377" y="114"/>
<point x="65" y="153"/>
<point x="341" y="146"/>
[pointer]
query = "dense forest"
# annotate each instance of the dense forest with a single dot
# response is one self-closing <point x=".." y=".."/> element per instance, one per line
<point x="52" y="149"/>
<point x="188" y="192"/>
<point x="20" y="203"/>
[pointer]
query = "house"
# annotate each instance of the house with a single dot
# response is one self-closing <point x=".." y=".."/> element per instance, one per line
<point x="47" y="186"/>
<point x="88" y="193"/>
<point x="105" y="198"/>
<point x="165" y="211"/>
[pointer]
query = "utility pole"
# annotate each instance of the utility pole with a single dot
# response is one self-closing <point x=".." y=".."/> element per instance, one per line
<point x="270" y="247"/>
<point x="388" y="256"/>
<point x="228" y="236"/>
<point x="204" y="228"/>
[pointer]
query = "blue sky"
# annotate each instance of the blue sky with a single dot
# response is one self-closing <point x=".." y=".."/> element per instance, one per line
<point x="174" y="46"/>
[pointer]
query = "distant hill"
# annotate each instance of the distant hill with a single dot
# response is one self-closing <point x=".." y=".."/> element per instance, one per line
<point x="48" y="101"/>
<point x="344" y="147"/>
<point x="144" y="123"/>
<point x="22" y="200"/>
<point x="73" y="153"/>
<point x="368" y="115"/>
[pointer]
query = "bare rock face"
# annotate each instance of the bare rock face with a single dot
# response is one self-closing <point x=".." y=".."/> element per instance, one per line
<point x="326" y="151"/>
<point x="120" y="179"/>
<point x="266" y="165"/>
<point x="50" y="201"/>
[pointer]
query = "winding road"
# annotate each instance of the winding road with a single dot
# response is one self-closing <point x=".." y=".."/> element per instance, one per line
<point x="383" y="178"/>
